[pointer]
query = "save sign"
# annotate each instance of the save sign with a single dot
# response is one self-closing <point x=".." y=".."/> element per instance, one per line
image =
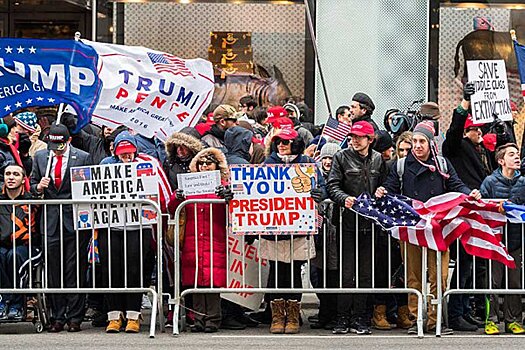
<point x="273" y="199"/>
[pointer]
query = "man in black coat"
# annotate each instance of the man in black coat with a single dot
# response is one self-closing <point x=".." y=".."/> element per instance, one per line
<point x="56" y="223"/>
<point x="425" y="176"/>
<point x="356" y="170"/>
<point x="362" y="108"/>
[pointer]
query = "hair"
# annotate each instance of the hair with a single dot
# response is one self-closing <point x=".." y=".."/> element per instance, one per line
<point x="341" y="110"/>
<point x="260" y="114"/>
<point x="404" y="137"/>
<point x="248" y="100"/>
<point x="501" y="150"/>
<point x="298" y="145"/>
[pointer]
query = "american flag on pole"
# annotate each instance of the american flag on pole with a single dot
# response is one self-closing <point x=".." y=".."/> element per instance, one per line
<point x="337" y="131"/>
<point x="520" y="57"/>
<point x="164" y="62"/>
<point x="440" y="221"/>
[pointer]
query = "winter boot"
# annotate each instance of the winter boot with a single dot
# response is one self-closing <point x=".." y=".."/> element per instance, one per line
<point x="403" y="320"/>
<point x="293" y="314"/>
<point x="278" y="316"/>
<point x="379" y="320"/>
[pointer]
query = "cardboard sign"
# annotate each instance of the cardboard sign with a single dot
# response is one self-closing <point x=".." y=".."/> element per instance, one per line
<point x="138" y="180"/>
<point x="273" y="199"/>
<point x="203" y="182"/>
<point x="250" y="271"/>
<point x="492" y="91"/>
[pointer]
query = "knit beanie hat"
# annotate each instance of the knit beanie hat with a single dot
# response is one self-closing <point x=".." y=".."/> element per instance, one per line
<point x="425" y="128"/>
<point x="27" y="120"/>
<point x="383" y="141"/>
<point x="329" y="149"/>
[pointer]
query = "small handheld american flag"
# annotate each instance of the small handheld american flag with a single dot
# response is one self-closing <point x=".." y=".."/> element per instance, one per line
<point x="337" y="131"/>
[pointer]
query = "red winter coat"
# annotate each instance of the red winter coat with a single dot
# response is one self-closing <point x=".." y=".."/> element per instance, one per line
<point x="204" y="254"/>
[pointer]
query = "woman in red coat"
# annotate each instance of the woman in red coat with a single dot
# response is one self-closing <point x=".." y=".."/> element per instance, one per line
<point x="199" y="262"/>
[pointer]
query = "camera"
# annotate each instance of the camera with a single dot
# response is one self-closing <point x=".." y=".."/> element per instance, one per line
<point x="397" y="121"/>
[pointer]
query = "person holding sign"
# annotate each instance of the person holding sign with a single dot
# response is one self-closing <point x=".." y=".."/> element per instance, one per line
<point x="203" y="256"/>
<point x="284" y="255"/>
<point x="127" y="248"/>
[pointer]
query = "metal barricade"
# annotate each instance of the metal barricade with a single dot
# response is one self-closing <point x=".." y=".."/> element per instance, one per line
<point x="57" y="249"/>
<point x="195" y="205"/>
<point x="486" y="286"/>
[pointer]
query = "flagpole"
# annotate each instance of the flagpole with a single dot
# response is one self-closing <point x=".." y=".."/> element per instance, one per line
<point x="94" y="20"/>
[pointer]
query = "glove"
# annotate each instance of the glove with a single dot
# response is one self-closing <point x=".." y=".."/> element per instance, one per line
<point x="179" y="194"/>
<point x="224" y="192"/>
<point x="317" y="195"/>
<point x="69" y="121"/>
<point x="468" y="90"/>
<point x="24" y="143"/>
<point x="499" y="127"/>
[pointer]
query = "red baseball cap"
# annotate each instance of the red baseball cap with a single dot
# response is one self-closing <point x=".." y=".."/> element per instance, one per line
<point x="362" y="128"/>
<point x="286" y="133"/>
<point x="125" y="147"/>
<point x="276" y="112"/>
<point x="282" y="122"/>
<point x="469" y="123"/>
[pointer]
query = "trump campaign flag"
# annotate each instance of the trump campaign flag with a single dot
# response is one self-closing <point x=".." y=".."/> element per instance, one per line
<point x="520" y="57"/>
<point x="152" y="92"/>
<point x="48" y="72"/>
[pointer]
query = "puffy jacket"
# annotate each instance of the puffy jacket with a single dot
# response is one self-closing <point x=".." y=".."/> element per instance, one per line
<point x="498" y="186"/>
<point x="151" y="146"/>
<point x="422" y="184"/>
<point x="173" y="164"/>
<point x="237" y="141"/>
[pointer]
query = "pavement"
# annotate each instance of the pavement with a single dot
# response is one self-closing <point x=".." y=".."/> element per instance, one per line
<point x="23" y="336"/>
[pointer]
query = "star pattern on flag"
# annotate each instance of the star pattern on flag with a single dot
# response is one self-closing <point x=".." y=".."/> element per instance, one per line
<point x="9" y="49"/>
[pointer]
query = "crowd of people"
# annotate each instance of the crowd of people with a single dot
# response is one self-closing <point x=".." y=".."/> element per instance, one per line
<point x="475" y="160"/>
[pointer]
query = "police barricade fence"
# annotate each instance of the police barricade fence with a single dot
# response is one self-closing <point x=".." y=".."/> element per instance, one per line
<point x="483" y="277"/>
<point x="47" y="257"/>
<point x="365" y="278"/>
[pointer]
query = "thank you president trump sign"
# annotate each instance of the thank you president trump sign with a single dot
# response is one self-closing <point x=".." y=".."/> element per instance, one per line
<point x="273" y="199"/>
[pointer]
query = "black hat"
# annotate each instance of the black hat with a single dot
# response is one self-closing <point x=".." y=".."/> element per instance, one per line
<point x="58" y="137"/>
<point x="383" y="141"/>
<point x="365" y="100"/>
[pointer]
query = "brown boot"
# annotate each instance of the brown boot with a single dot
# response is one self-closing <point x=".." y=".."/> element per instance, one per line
<point x="278" y="316"/>
<point x="403" y="321"/>
<point x="293" y="313"/>
<point x="379" y="320"/>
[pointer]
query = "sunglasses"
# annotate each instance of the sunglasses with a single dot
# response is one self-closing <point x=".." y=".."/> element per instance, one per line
<point x="205" y="163"/>
<point x="284" y="142"/>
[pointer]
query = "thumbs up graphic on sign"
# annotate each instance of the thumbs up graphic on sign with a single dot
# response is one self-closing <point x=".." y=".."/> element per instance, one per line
<point x="301" y="183"/>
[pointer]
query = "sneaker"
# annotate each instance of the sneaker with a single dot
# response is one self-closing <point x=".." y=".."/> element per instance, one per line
<point x="514" y="328"/>
<point x="169" y="320"/>
<point x="359" y="327"/>
<point x="133" y="326"/>
<point x="491" y="328"/>
<point x="146" y="303"/>
<point x="341" y="326"/>
<point x="3" y="311"/>
<point x="444" y="330"/>
<point x="413" y="329"/>
<point x="15" y="312"/>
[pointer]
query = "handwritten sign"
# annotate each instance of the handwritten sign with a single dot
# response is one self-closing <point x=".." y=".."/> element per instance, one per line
<point x="203" y="182"/>
<point x="492" y="91"/>
<point x="247" y="270"/>
<point x="136" y="180"/>
<point x="273" y="199"/>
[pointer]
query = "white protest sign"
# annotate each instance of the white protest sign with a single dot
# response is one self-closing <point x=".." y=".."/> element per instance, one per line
<point x="250" y="271"/>
<point x="152" y="92"/>
<point x="137" y="180"/>
<point x="492" y="90"/>
<point x="203" y="182"/>
<point x="273" y="199"/>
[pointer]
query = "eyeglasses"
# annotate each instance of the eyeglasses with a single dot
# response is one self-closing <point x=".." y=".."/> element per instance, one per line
<point x="284" y="142"/>
<point x="205" y="163"/>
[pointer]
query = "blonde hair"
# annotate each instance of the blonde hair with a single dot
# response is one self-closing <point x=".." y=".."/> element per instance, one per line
<point x="404" y="137"/>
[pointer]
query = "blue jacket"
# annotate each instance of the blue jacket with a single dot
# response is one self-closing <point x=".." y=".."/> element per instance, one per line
<point x="237" y="141"/>
<point x="498" y="186"/>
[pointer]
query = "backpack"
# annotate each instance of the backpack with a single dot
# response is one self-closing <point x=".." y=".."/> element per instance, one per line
<point x="400" y="168"/>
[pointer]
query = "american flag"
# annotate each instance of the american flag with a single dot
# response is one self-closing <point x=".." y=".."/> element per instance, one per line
<point x="164" y="185"/>
<point x="164" y="62"/>
<point x="520" y="57"/>
<point x="337" y="131"/>
<point x="440" y="221"/>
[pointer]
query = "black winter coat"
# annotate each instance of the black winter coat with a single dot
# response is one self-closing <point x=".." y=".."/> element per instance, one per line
<point x="422" y="184"/>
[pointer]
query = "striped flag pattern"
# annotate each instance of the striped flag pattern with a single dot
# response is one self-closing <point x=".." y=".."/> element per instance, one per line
<point x="337" y="131"/>
<point x="169" y="64"/>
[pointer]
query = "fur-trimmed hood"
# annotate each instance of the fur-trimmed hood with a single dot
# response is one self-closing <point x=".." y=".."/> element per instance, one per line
<point x="214" y="152"/>
<point x="181" y="139"/>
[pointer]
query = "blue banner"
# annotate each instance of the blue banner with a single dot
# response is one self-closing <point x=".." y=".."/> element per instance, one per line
<point x="38" y="73"/>
<point x="520" y="57"/>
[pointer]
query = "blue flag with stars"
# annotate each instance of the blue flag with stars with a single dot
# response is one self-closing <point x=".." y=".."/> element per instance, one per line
<point x="39" y="73"/>
<point x="388" y="211"/>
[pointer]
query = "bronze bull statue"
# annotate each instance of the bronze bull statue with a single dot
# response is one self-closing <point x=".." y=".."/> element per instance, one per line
<point x="266" y="90"/>
<point x="486" y="45"/>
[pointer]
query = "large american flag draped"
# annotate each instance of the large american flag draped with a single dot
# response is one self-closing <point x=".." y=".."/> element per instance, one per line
<point x="520" y="57"/>
<point x="164" y="62"/>
<point x="337" y="131"/>
<point x="440" y="221"/>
